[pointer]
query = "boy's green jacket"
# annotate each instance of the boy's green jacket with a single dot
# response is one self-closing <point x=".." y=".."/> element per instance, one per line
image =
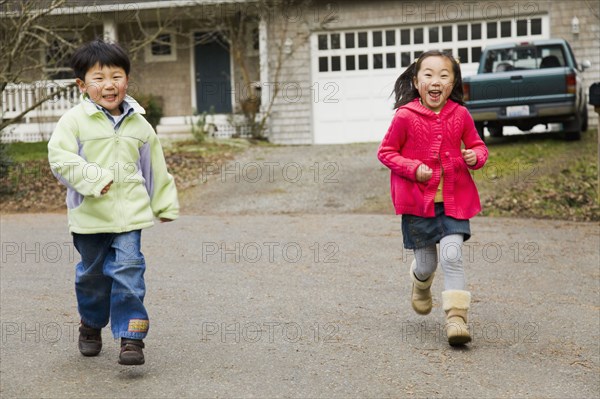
<point x="86" y="153"/>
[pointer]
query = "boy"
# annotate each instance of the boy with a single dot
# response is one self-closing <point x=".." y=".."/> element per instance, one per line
<point x="112" y="163"/>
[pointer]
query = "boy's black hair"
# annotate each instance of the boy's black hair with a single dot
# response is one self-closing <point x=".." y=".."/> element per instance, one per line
<point x="99" y="52"/>
<point x="406" y="91"/>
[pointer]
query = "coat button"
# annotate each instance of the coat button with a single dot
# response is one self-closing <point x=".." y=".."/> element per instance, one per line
<point x="439" y="136"/>
<point x="447" y="154"/>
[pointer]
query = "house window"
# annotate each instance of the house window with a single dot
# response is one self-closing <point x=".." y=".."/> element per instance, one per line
<point x="336" y="63"/>
<point x="536" y="26"/>
<point x="335" y="40"/>
<point x="492" y="30"/>
<point x="463" y="55"/>
<point x="377" y="38"/>
<point x="434" y="35"/>
<point x="349" y="40"/>
<point x="323" y="64"/>
<point x="162" y="49"/>
<point x="505" y="29"/>
<point x="377" y="61"/>
<point x="390" y="37"/>
<point x="418" y="35"/>
<point x="405" y="36"/>
<point x="350" y="63"/>
<point x="322" y="42"/>
<point x="447" y="33"/>
<point x="390" y="60"/>
<point x="387" y="48"/>
<point x="363" y="61"/>
<point x="475" y="31"/>
<point x="56" y="59"/>
<point x="522" y="27"/>
<point x="362" y="39"/>
<point x="463" y="32"/>
<point x="405" y="59"/>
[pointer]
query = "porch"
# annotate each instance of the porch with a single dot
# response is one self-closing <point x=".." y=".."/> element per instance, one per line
<point x="38" y="124"/>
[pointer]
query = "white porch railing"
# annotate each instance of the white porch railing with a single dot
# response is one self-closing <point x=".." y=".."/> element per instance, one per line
<point x="17" y="97"/>
<point x="37" y="124"/>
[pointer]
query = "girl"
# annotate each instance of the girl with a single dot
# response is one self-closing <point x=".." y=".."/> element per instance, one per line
<point x="430" y="182"/>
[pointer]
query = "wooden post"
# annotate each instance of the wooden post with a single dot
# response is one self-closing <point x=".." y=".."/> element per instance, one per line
<point x="597" y="109"/>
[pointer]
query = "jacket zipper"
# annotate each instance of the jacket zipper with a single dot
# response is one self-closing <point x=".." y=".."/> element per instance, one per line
<point x="117" y="163"/>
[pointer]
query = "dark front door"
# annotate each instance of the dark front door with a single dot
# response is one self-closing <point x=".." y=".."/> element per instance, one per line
<point x="213" y="80"/>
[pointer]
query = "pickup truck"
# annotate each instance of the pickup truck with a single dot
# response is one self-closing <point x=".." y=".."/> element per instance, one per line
<point x="526" y="84"/>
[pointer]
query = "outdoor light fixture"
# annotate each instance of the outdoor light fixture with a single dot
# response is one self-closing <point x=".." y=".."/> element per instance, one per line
<point x="287" y="46"/>
<point x="575" y="25"/>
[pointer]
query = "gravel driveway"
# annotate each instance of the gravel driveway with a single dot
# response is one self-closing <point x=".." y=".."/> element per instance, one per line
<point x="296" y="286"/>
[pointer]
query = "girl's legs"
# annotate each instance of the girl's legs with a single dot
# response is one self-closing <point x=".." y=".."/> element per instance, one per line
<point x="451" y="261"/>
<point x="426" y="262"/>
<point x="455" y="300"/>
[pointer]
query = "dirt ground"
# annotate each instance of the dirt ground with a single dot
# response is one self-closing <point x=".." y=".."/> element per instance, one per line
<point x="286" y="277"/>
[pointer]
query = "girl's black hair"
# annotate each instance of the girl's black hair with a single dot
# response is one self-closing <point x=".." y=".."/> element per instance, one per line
<point x="405" y="91"/>
<point x="99" y="52"/>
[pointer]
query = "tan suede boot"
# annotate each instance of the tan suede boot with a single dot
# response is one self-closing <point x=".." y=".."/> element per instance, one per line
<point x="456" y="304"/>
<point x="421" y="292"/>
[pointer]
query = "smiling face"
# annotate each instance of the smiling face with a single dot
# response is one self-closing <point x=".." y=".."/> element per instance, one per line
<point x="106" y="86"/>
<point x="434" y="82"/>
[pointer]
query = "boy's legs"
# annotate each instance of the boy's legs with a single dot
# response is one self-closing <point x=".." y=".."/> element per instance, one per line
<point x="92" y="287"/>
<point x="126" y="266"/>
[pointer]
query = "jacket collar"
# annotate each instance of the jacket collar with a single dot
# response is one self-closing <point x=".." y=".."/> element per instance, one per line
<point x="90" y="107"/>
<point x="415" y="106"/>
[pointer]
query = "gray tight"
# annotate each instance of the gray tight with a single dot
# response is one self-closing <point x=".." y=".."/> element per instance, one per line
<point x="450" y="259"/>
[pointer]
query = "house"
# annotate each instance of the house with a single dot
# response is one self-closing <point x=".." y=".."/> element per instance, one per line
<point x="324" y="71"/>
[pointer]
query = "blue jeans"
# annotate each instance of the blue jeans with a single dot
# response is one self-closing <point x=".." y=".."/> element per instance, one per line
<point x="109" y="283"/>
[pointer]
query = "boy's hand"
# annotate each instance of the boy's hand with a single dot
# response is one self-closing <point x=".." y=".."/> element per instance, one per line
<point x="469" y="156"/>
<point x="105" y="189"/>
<point x="165" y="220"/>
<point x="424" y="173"/>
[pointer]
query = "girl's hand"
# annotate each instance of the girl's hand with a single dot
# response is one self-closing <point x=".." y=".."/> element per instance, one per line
<point x="424" y="173"/>
<point x="469" y="156"/>
<point x="106" y="188"/>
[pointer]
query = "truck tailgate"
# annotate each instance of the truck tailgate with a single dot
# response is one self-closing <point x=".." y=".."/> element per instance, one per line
<point x="519" y="87"/>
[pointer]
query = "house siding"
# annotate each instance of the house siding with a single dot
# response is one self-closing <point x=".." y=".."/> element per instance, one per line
<point x="291" y="121"/>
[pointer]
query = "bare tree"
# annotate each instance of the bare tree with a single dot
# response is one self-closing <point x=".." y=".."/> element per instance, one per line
<point x="241" y="27"/>
<point x="36" y="34"/>
<point x="25" y="29"/>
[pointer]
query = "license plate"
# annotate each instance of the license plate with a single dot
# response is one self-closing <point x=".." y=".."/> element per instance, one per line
<point x="517" y="110"/>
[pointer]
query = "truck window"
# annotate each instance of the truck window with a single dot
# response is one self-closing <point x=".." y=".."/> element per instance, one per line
<point x="524" y="58"/>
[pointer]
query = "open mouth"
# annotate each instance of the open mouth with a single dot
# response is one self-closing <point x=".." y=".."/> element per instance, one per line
<point x="109" y="97"/>
<point x="435" y="95"/>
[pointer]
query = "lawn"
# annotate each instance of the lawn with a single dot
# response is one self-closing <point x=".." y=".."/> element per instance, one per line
<point x="541" y="175"/>
<point x="535" y="175"/>
<point x="30" y="186"/>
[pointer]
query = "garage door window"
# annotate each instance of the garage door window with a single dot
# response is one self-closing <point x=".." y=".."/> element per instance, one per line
<point x="392" y="48"/>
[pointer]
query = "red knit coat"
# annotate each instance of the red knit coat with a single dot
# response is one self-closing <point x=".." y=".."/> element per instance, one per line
<point x="418" y="135"/>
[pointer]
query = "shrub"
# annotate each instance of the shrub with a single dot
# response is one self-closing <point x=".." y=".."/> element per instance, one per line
<point x="153" y="106"/>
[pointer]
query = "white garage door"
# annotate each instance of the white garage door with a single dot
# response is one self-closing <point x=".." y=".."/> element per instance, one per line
<point x="354" y="71"/>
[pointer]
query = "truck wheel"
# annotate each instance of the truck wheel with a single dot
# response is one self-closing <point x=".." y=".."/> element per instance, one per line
<point x="495" y="131"/>
<point x="573" y="129"/>
<point x="479" y="127"/>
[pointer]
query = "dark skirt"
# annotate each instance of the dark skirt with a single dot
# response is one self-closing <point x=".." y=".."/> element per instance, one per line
<point x="419" y="232"/>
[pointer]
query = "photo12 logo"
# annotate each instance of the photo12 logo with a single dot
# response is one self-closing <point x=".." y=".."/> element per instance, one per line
<point x="271" y="172"/>
<point x="269" y="332"/>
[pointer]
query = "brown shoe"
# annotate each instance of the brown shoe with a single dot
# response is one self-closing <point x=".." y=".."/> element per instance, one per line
<point x="90" y="340"/>
<point x="131" y="352"/>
